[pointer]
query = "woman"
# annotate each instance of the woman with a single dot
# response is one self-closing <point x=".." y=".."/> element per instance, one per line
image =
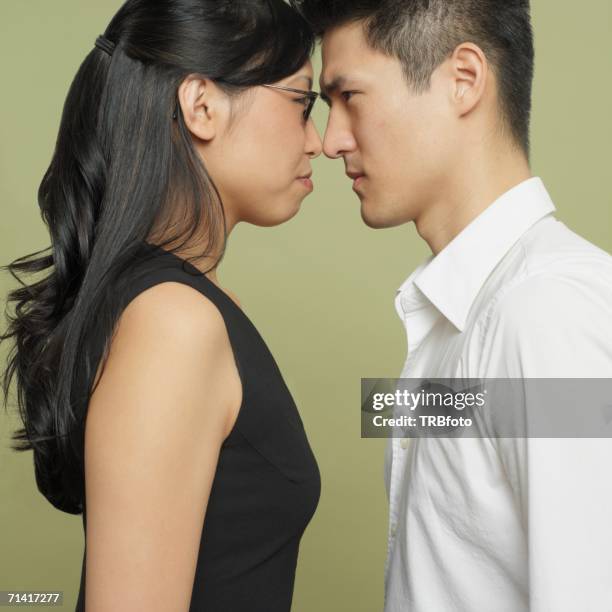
<point x="149" y="399"/>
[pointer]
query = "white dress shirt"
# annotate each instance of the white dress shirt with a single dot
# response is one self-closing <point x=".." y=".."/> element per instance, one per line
<point x="504" y="524"/>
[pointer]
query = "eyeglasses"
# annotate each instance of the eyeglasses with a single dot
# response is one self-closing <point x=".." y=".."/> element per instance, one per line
<point x="309" y="96"/>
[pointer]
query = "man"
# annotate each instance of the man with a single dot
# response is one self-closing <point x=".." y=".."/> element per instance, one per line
<point x="429" y="108"/>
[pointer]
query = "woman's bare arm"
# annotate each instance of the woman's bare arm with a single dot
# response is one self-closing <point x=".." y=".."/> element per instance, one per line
<point x="168" y="397"/>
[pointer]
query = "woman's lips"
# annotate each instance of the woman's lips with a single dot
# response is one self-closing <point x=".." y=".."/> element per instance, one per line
<point x="307" y="182"/>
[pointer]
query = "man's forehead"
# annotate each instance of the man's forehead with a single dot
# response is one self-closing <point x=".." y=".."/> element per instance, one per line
<point x="345" y="38"/>
<point x="345" y="55"/>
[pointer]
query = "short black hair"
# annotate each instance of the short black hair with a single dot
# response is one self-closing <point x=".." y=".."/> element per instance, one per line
<point x="422" y="33"/>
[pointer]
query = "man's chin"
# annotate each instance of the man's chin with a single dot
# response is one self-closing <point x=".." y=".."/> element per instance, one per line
<point x="376" y="219"/>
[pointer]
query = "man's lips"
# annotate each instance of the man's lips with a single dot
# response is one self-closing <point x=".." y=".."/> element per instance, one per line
<point x="356" y="176"/>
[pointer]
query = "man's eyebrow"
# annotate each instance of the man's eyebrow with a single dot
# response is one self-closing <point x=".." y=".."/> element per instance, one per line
<point x="328" y="88"/>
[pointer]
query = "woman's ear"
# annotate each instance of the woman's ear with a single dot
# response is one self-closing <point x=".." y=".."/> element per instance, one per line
<point x="469" y="76"/>
<point x="203" y="106"/>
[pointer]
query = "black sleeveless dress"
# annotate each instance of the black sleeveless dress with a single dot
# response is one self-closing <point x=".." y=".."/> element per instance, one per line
<point x="267" y="483"/>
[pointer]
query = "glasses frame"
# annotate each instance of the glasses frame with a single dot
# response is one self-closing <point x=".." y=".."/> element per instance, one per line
<point x="311" y="95"/>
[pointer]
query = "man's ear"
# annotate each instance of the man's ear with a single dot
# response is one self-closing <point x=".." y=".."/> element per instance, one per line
<point x="203" y="106"/>
<point x="470" y="72"/>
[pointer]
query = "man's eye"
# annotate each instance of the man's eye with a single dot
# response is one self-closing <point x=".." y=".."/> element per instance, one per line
<point x="303" y="101"/>
<point x="347" y="95"/>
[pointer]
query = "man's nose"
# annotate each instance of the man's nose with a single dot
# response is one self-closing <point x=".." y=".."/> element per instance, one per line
<point x="338" y="140"/>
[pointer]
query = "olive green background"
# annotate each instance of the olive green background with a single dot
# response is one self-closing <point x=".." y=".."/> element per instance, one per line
<point x="320" y="288"/>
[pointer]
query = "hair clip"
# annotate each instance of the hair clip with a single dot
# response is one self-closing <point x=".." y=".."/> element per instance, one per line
<point x="108" y="46"/>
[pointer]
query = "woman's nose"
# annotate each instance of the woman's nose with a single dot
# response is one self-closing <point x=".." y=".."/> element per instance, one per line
<point x="314" y="144"/>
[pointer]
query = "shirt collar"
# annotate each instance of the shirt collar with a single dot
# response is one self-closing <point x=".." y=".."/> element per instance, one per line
<point x="452" y="279"/>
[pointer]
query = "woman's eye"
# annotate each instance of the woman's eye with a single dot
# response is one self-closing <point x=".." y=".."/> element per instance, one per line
<point x="346" y="95"/>
<point x="303" y="101"/>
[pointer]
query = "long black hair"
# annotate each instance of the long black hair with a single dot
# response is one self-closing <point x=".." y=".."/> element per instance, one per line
<point x="122" y="166"/>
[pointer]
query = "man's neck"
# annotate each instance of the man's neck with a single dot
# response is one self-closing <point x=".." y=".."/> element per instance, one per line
<point x="476" y="184"/>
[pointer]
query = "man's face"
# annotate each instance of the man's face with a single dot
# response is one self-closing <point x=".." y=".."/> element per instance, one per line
<point x="399" y="141"/>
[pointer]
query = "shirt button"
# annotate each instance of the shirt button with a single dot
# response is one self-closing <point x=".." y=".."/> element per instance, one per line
<point x="404" y="443"/>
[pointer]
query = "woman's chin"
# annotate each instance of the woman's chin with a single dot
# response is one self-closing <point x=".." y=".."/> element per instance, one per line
<point x="281" y="214"/>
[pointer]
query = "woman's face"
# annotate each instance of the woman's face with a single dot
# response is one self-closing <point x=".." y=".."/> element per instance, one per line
<point x="256" y="157"/>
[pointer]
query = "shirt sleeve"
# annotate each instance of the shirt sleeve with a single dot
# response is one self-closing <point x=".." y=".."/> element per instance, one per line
<point x="551" y="327"/>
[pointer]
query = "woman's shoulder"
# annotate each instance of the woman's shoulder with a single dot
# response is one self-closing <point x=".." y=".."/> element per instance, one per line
<point x="175" y="307"/>
<point x="171" y="322"/>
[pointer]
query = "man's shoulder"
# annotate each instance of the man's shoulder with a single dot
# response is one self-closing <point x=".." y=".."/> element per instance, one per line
<point x="550" y="247"/>
<point x="550" y="268"/>
<point x="555" y="320"/>
<point x="554" y="278"/>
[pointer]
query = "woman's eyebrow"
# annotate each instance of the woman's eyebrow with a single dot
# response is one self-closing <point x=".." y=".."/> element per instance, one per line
<point x="306" y="78"/>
